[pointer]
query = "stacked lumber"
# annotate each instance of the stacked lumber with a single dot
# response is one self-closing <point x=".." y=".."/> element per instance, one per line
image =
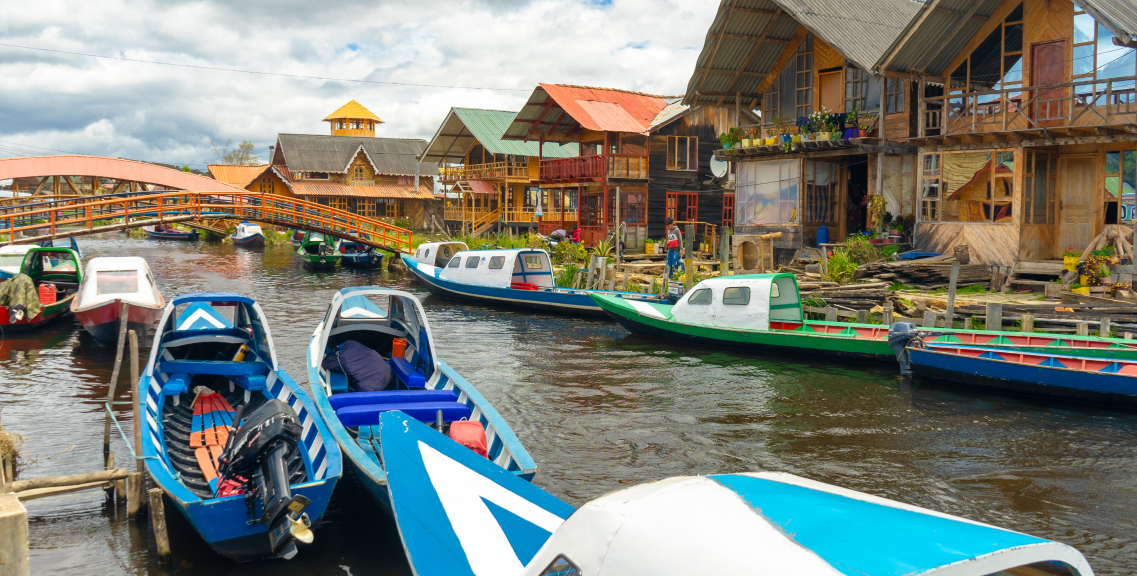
<point x="853" y="296"/>
<point x="926" y="273"/>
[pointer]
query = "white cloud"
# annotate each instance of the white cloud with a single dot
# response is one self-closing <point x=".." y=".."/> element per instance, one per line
<point x="170" y="114"/>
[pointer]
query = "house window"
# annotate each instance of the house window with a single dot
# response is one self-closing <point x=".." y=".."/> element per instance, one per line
<point x="894" y="95"/>
<point x="728" y="210"/>
<point x="804" y="77"/>
<point x="976" y="186"/>
<point x="366" y="207"/>
<point x="1040" y="181"/>
<point x="683" y="206"/>
<point x="822" y="192"/>
<point x="1120" y="186"/>
<point x="359" y="177"/>
<point x="316" y="176"/>
<point x="767" y="192"/>
<point x="1096" y="57"/>
<point x="771" y="100"/>
<point x="266" y="185"/>
<point x="995" y="64"/>
<point x="633" y="209"/>
<point x="856" y="89"/>
<point x="682" y="153"/>
<point x="337" y="203"/>
<point x="930" y="188"/>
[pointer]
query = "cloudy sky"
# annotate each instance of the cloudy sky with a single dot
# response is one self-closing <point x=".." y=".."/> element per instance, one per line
<point x="60" y="102"/>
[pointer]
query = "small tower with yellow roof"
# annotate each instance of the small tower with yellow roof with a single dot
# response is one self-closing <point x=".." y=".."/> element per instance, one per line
<point x="352" y="119"/>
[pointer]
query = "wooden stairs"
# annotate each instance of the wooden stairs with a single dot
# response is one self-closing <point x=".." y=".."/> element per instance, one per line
<point x="485" y="222"/>
<point x="1034" y="273"/>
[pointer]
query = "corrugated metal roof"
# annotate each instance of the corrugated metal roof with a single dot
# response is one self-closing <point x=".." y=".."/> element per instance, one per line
<point x="355" y="110"/>
<point x="1119" y="16"/>
<point x="463" y="126"/>
<point x="559" y="108"/>
<point x="731" y="62"/>
<point x="931" y="47"/>
<point x="317" y="153"/>
<point x="397" y="191"/>
<point x="674" y="109"/>
<point x="476" y="186"/>
<point x="236" y="175"/>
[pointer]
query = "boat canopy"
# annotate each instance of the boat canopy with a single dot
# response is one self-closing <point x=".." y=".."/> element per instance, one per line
<point x="438" y="254"/>
<point x="111" y="278"/>
<point x="748" y="301"/>
<point x="214" y="315"/>
<point x="13" y="256"/>
<point x="500" y="268"/>
<point x="246" y="228"/>
<point x="47" y="263"/>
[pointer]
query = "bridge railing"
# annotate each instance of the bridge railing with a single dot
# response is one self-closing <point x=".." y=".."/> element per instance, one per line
<point x="45" y="219"/>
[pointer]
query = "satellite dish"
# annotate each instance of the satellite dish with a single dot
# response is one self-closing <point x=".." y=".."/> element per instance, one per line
<point x="719" y="167"/>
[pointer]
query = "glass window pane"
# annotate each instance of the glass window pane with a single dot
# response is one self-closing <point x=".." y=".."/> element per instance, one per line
<point x="1112" y="162"/>
<point x="1013" y="38"/>
<point x="1129" y="186"/>
<point x="1083" y="28"/>
<point x="736" y="296"/>
<point x="1013" y="65"/>
<point x="1083" y="59"/>
<point x="701" y="297"/>
<point x="1111" y="184"/>
<point x="472" y="261"/>
<point x="497" y="262"/>
<point x="116" y="282"/>
<point x="967" y="187"/>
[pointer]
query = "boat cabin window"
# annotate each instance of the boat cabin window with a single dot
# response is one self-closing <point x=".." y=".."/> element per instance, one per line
<point x="11" y="259"/>
<point x="472" y="261"/>
<point x="738" y="295"/>
<point x="497" y="262"/>
<point x="116" y="281"/>
<point x="701" y="297"/>
<point x="561" y="566"/>
<point x="316" y="237"/>
<point x="784" y="302"/>
<point x="454" y="262"/>
<point x="534" y="263"/>
<point x="774" y="291"/>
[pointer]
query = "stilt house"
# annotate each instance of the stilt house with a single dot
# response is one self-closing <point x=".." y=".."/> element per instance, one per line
<point x="1026" y="124"/>
<point x="789" y="59"/>
<point x="489" y="181"/>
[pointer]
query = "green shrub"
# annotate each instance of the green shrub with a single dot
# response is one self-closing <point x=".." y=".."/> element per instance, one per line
<point x="840" y="267"/>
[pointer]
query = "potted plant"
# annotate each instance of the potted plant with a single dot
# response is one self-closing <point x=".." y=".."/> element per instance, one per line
<point x="784" y="130"/>
<point x="728" y="139"/>
<point x="772" y="131"/>
<point x="1070" y="257"/>
<point x="1079" y="288"/>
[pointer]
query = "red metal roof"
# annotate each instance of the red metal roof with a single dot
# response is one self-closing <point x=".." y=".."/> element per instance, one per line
<point x="397" y="191"/>
<point x="112" y="168"/>
<point x="603" y="109"/>
<point x="480" y="187"/>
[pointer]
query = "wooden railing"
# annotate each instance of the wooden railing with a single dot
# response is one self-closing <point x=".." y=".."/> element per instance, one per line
<point x="594" y="168"/>
<point x="519" y="213"/>
<point x="627" y="166"/>
<point x="133" y="211"/>
<point x="483" y="222"/>
<point x="495" y="171"/>
<point x="1070" y="104"/>
<point x="470" y="214"/>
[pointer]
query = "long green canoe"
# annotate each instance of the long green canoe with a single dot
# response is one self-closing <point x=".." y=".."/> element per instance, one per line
<point x="762" y="313"/>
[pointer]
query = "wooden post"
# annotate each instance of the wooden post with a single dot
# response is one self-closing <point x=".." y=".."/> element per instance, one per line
<point x="626" y="274"/>
<point x="888" y="314"/>
<point x="994" y="316"/>
<point x="136" y="493"/>
<point x="1105" y="327"/>
<point x="158" y="523"/>
<point x="13" y="536"/>
<point x="136" y="403"/>
<point x="950" y="316"/>
<point x="1083" y="329"/>
<point x="576" y="279"/>
<point x="591" y="271"/>
<point x="929" y="319"/>
<point x="1028" y="323"/>
<point x="824" y="261"/>
<point x="724" y="251"/>
<point x="108" y="459"/>
<point x="688" y="248"/>
<point x="862" y="316"/>
<point x="830" y="314"/>
<point x="619" y="237"/>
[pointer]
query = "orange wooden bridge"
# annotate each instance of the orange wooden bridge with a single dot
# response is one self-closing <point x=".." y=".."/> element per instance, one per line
<point x="43" y="220"/>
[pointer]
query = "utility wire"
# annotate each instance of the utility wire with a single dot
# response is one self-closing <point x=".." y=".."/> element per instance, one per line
<point x="260" y="73"/>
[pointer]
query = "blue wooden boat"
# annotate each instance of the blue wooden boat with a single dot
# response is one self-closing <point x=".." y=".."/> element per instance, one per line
<point x="168" y="232"/>
<point x="212" y="378"/>
<point x="459" y="515"/>
<point x="1081" y="379"/>
<point x="297" y="237"/>
<point x="358" y="255"/>
<point x="248" y="235"/>
<point x="521" y="278"/>
<point x="425" y="385"/>
<point x="67" y="243"/>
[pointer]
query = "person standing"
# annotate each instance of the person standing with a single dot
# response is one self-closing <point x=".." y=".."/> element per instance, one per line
<point x="621" y="236"/>
<point x="674" y="245"/>
<point x="576" y="234"/>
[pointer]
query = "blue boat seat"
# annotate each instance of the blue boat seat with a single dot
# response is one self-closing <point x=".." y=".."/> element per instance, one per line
<point x="368" y="415"/>
<point x="407" y="374"/>
<point x="338" y="381"/>
<point x="213" y="367"/>
<point x="391" y="397"/>
<point x="252" y="383"/>
<point x="177" y="384"/>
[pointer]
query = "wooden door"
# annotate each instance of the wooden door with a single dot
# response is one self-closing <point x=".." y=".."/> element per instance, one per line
<point x="831" y="91"/>
<point x="1048" y="66"/>
<point x="1076" y="194"/>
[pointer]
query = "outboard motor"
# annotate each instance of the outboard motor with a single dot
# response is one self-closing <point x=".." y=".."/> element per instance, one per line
<point x="256" y="454"/>
<point x="899" y="335"/>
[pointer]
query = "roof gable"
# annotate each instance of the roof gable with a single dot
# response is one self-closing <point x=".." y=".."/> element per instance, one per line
<point x="465" y="126"/>
<point x="317" y="153"/>
<point x="557" y="110"/>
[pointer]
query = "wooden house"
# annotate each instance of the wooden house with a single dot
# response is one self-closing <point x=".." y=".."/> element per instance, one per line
<point x="1042" y="89"/>
<point x="490" y="181"/>
<point x="611" y="129"/>
<point x="789" y="59"/>
<point x="265" y="178"/>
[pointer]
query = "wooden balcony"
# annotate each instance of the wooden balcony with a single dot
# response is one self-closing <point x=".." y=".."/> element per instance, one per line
<point x="1021" y="110"/>
<point x="506" y="171"/>
<point x="456" y="214"/>
<point x="596" y="168"/>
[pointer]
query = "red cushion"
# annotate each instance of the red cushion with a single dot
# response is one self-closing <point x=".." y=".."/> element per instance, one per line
<point x="524" y="286"/>
<point x="470" y="434"/>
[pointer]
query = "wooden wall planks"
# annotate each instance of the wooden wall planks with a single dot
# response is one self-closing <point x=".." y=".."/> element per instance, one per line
<point x="992" y="244"/>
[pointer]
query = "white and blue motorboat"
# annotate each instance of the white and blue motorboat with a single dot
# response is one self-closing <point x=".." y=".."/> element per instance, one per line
<point x="12" y="258"/>
<point x="358" y="255"/>
<point x="227" y="433"/>
<point x="248" y="235"/>
<point x="423" y="386"/>
<point x="458" y="515"/>
<point x="518" y="277"/>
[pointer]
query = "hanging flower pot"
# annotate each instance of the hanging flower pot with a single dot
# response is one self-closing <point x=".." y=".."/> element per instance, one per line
<point x="772" y="141"/>
<point x="747" y="142"/>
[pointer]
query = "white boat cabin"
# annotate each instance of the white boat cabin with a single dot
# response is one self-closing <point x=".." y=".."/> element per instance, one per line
<point x="11" y="258"/>
<point x="247" y="229"/>
<point x="500" y="268"/>
<point x="118" y="278"/>
<point x="438" y="254"/>
<point x="748" y="301"/>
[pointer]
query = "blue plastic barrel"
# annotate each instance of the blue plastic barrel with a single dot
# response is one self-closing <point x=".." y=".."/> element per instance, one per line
<point x="822" y="235"/>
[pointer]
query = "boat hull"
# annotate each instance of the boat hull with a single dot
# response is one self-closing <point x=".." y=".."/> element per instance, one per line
<point x="254" y="241"/>
<point x="102" y="321"/>
<point x="577" y="302"/>
<point x="183" y="236"/>
<point x="311" y="264"/>
<point x="1022" y="379"/>
<point x="48" y="314"/>
<point x="362" y="261"/>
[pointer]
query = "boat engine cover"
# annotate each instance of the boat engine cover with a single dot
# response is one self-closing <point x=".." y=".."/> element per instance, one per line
<point x="269" y="426"/>
<point x="899" y="335"/>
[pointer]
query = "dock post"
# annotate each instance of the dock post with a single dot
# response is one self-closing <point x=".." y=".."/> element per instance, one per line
<point x="724" y="251"/>
<point x="1083" y="329"/>
<point x="888" y="314"/>
<point x="13" y="536"/>
<point x="158" y="523"/>
<point x="135" y="493"/>
<point x="830" y="314"/>
<point x="994" y="316"/>
<point x="953" y="280"/>
<point x="135" y="401"/>
<point x="108" y="458"/>
<point x="1105" y="327"/>
<point x="591" y="271"/>
<point x="1028" y="323"/>
<point x="688" y="258"/>
<point x="576" y="279"/>
<point x="626" y="274"/>
<point x="929" y="319"/>
<point x="862" y="316"/>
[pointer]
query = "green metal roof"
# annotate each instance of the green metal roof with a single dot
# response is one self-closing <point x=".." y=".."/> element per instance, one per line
<point x="465" y="125"/>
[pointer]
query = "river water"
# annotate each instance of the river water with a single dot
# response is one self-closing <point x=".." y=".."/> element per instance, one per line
<point x="598" y="409"/>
